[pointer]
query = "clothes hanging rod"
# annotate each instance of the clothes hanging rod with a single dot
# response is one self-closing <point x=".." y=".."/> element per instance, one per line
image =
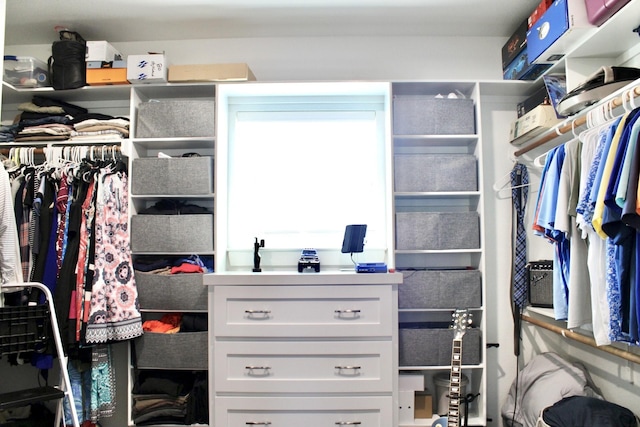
<point x="567" y="333"/>
<point x="575" y="123"/>
<point x="41" y="150"/>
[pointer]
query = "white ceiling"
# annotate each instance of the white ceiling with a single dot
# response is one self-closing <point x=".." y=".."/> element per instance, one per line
<point x="33" y="21"/>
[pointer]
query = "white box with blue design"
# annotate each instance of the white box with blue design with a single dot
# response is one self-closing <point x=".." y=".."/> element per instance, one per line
<point x="149" y="68"/>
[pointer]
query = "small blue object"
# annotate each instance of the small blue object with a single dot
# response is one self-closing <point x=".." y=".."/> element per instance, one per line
<point x="371" y="267"/>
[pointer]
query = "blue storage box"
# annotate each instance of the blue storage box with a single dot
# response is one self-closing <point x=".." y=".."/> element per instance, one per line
<point x="561" y="26"/>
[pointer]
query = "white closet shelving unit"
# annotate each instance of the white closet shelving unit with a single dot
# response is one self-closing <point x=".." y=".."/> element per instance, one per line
<point x="181" y="235"/>
<point x="441" y="257"/>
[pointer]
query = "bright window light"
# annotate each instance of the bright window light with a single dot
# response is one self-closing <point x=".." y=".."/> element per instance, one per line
<point x="299" y="172"/>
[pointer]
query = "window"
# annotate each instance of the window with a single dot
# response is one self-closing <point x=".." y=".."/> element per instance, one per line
<point x="299" y="169"/>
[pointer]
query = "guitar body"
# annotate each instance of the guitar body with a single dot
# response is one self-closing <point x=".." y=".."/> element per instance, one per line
<point x="440" y="422"/>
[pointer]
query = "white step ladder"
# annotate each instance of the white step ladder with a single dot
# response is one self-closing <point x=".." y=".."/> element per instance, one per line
<point x="24" y="329"/>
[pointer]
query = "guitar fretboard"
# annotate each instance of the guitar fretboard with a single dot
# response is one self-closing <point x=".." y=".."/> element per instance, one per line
<point x="454" y="384"/>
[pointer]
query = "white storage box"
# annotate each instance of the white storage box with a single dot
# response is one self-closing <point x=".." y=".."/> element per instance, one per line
<point x="435" y="172"/>
<point x="150" y="68"/>
<point x="174" y="176"/>
<point x="101" y="51"/>
<point x="411" y="382"/>
<point x="25" y="71"/>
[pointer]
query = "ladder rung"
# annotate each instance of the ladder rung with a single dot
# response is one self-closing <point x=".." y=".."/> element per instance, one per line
<point x="25" y="397"/>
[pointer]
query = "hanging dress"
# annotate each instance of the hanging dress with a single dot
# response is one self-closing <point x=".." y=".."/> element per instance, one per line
<point x="114" y="314"/>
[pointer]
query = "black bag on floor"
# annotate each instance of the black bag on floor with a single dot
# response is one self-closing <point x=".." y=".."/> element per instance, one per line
<point x="67" y="66"/>
<point x="585" y="411"/>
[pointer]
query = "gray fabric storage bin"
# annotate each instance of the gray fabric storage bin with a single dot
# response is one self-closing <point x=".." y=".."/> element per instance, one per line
<point x="435" y="172"/>
<point x="172" y="233"/>
<point x="181" y="292"/>
<point x="421" y="345"/>
<point x="172" y="118"/>
<point x="182" y="350"/>
<point x="427" y="115"/>
<point x="178" y="175"/>
<point x="437" y="230"/>
<point x="440" y="289"/>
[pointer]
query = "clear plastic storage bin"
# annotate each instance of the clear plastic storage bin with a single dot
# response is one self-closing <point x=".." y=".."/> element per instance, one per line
<point x="25" y="71"/>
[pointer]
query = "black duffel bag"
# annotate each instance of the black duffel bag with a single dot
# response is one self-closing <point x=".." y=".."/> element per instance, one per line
<point x="67" y="66"/>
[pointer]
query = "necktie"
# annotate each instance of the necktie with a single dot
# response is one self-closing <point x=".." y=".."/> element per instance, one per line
<point x="519" y="193"/>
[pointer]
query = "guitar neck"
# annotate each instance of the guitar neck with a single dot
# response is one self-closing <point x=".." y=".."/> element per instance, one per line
<point x="454" y="384"/>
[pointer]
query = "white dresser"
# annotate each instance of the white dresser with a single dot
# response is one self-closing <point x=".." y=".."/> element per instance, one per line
<point x="313" y="349"/>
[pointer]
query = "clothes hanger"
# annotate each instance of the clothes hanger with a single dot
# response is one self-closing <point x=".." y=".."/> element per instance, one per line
<point x="504" y="182"/>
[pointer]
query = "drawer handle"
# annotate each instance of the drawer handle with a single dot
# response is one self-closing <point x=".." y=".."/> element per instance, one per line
<point x="354" y="312"/>
<point x="258" y="423"/>
<point x="354" y="368"/>
<point x="264" y="369"/>
<point x="251" y="314"/>
<point x="348" y="423"/>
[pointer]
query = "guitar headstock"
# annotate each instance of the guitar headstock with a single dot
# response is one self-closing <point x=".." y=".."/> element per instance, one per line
<point x="461" y="321"/>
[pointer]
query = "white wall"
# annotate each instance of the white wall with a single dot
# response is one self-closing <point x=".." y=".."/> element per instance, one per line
<point x="330" y="58"/>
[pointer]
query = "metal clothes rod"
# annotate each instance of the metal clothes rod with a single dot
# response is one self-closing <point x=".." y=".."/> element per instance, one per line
<point x="632" y="357"/>
<point x="5" y="151"/>
<point x="614" y="103"/>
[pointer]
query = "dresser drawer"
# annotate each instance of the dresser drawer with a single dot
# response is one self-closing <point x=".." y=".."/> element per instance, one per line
<point x="303" y="311"/>
<point x="327" y="366"/>
<point x="371" y="411"/>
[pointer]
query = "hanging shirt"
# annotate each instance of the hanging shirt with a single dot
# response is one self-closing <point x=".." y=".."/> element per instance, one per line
<point x="597" y="144"/>
<point x="625" y="171"/>
<point x="547" y="209"/>
<point x="10" y="271"/>
<point x="605" y="176"/>
<point x="579" y="286"/>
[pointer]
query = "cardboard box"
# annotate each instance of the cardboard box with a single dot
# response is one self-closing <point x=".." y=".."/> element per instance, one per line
<point x="210" y="73"/>
<point x="563" y="25"/>
<point x="101" y="51"/>
<point x="107" y="76"/>
<point x="423" y="405"/>
<point x="522" y="69"/>
<point x="515" y="44"/>
<point x="539" y="97"/>
<point x="145" y="69"/>
<point x="535" y="122"/>
<point x="538" y="12"/>
<point x="107" y="64"/>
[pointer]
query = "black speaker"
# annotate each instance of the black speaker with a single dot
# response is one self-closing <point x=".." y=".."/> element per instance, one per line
<point x="540" y="279"/>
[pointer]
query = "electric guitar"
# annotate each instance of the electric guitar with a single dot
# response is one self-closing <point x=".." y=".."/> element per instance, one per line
<point x="461" y="320"/>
